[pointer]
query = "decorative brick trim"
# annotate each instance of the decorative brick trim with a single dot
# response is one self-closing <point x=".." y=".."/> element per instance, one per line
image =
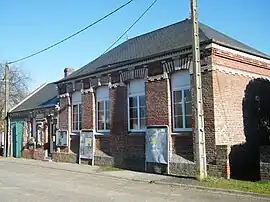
<point x="240" y="58"/>
<point x="239" y="72"/>
<point x="239" y="53"/>
<point x="115" y="85"/>
<point x="177" y="63"/>
<point x="86" y="91"/>
<point x="158" y="77"/>
<point x="133" y="73"/>
<point x="64" y="95"/>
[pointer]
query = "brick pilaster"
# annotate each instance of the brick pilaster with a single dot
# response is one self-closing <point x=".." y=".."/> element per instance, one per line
<point x="65" y="113"/>
<point x="158" y="102"/>
<point x="88" y="110"/>
<point x="223" y="164"/>
<point x="119" y="123"/>
<point x="209" y="122"/>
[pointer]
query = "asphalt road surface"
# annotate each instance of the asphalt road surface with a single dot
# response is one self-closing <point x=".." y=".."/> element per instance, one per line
<point x="20" y="182"/>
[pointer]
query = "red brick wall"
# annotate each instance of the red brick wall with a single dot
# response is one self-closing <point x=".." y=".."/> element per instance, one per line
<point x="64" y="113"/>
<point x="228" y="96"/>
<point x="208" y="107"/>
<point x="158" y="102"/>
<point x="103" y="144"/>
<point x="88" y="110"/>
<point x="119" y="123"/>
<point x="182" y="145"/>
<point x="229" y="92"/>
<point x="136" y="146"/>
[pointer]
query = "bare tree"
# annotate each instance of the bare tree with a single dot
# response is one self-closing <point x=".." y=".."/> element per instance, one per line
<point x="18" y="83"/>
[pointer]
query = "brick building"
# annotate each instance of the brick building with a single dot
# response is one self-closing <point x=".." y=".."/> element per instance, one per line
<point x="29" y="122"/>
<point x="147" y="80"/>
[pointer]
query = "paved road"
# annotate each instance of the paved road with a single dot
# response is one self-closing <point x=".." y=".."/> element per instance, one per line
<point x="19" y="182"/>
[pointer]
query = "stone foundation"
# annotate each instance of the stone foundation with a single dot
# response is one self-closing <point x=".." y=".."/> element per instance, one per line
<point x="265" y="171"/>
<point x="64" y="157"/>
<point x="179" y="165"/>
<point x="265" y="162"/>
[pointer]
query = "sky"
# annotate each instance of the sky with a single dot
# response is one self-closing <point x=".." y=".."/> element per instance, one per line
<point x="28" y="26"/>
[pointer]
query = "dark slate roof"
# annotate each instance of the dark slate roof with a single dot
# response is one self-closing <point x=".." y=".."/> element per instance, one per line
<point x="46" y="96"/>
<point x="158" y="42"/>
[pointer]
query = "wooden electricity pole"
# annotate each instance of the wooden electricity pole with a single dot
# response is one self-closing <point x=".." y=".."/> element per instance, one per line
<point x="199" y="118"/>
<point x="6" y="138"/>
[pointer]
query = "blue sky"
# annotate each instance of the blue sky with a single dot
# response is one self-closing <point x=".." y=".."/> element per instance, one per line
<point x="30" y="25"/>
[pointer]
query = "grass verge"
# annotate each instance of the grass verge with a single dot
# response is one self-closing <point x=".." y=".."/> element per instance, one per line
<point x="261" y="187"/>
<point x="108" y="168"/>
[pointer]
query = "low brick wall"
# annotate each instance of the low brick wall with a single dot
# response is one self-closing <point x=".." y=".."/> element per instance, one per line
<point x="64" y="157"/>
<point x="104" y="161"/>
<point x="39" y="154"/>
<point x="183" y="169"/>
<point x="28" y="154"/>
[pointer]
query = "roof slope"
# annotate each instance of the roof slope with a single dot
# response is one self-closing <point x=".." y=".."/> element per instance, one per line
<point x="44" y="97"/>
<point x="172" y="37"/>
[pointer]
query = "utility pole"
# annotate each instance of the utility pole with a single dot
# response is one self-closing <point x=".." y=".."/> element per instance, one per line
<point x="6" y="138"/>
<point x="199" y="118"/>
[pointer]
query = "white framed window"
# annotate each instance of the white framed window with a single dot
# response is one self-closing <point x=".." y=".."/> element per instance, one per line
<point x="76" y="111"/>
<point x="136" y="106"/>
<point x="103" y="109"/>
<point x="181" y="101"/>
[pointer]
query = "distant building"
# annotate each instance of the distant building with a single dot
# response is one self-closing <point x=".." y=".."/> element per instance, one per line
<point x="29" y="119"/>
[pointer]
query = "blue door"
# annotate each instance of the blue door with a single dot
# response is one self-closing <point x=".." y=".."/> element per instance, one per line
<point x="17" y="134"/>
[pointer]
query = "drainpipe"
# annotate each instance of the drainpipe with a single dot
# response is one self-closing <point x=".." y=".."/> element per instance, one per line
<point x="50" y="137"/>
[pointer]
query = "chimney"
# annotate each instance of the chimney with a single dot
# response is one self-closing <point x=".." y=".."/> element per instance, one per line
<point x="67" y="71"/>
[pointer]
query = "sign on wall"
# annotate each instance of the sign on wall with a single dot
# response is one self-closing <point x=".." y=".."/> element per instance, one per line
<point x="61" y="138"/>
<point x="157" y="144"/>
<point x="87" y="145"/>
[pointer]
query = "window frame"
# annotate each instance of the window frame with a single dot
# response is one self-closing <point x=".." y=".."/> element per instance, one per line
<point x="182" y="89"/>
<point x="79" y="116"/>
<point x="137" y="95"/>
<point x="104" y="100"/>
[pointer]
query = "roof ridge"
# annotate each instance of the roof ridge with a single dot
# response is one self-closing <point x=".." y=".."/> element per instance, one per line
<point x="161" y="28"/>
<point x="29" y="96"/>
<point x="162" y="40"/>
<point x="129" y="40"/>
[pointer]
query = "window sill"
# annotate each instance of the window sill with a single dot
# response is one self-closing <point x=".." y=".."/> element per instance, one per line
<point x="136" y="133"/>
<point x="102" y="133"/>
<point x="75" y="132"/>
<point x="181" y="133"/>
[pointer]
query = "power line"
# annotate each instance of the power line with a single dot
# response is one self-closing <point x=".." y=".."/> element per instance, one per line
<point x="78" y="32"/>
<point x="153" y="3"/>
